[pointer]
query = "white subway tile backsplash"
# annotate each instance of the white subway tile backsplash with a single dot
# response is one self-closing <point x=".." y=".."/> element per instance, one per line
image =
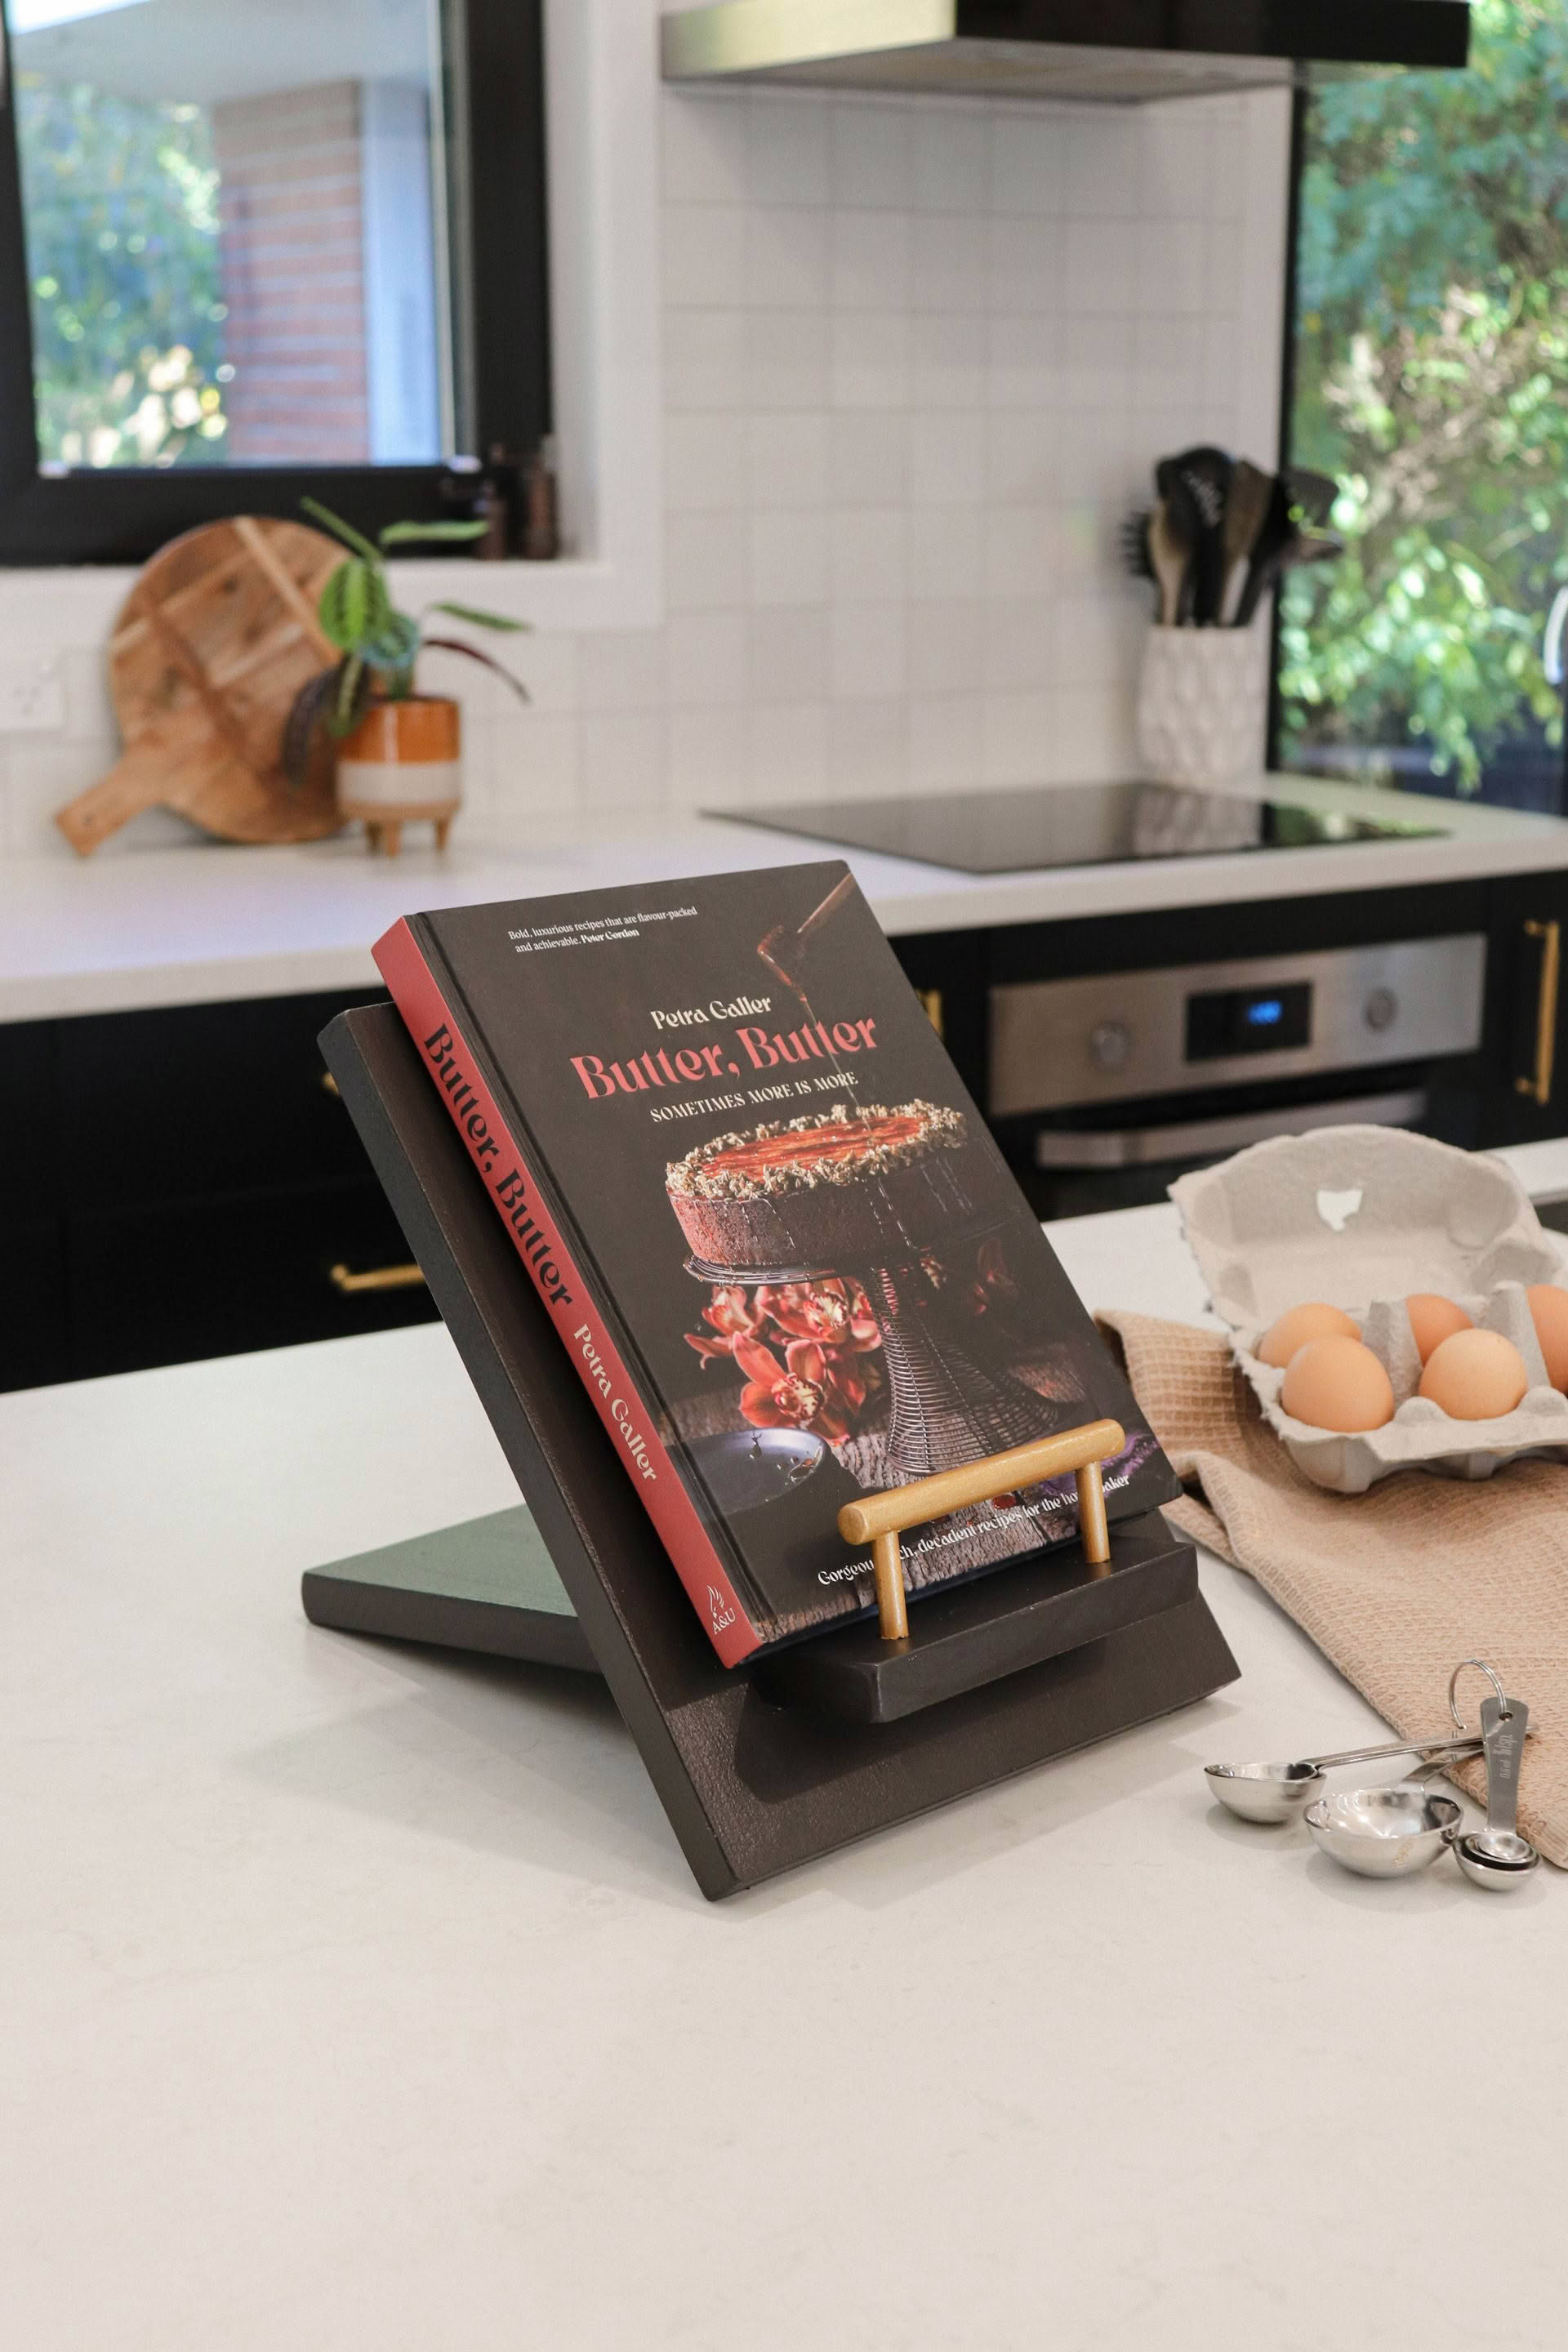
<point x="623" y="669"/>
<point x="918" y="357"/>
<point x="868" y="651"/>
<point x="788" y="747"/>
<point x="1020" y="641"/>
<point x="1023" y="452"/>
<point x="1102" y="264"/>
<point x="789" y="561"/>
<point x="1102" y="148"/>
<point x="787" y="358"/>
<point x="869" y="256"/>
<point x="948" y="355"/>
<point x="869" y="458"/>
<point x="1023" y="551"/>
<point x="946" y="554"/>
<point x="1029" y="162"/>
<point x="947" y="646"/>
<point x="705" y="359"/>
<point x="705" y="658"/>
<point x="945" y="742"/>
<point x="707" y="462"/>
<point x="954" y="263"/>
<point x="1095" y="367"/>
<point x="706" y="562"/>
<point x="623" y="758"/>
<point x="704" y="151"/>
<point x="787" y="459"/>
<point x="868" y="748"/>
<point x="704" y="254"/>
<point x="787" y="257"/>
<point x="947" y="458"/>
<point x="708" y="755"/>
<point x="1025" y="368"/>
<point x="1175" y="146"/>
<point x="872" y="151"/>
<point x="951" y="161"/>
<point x="548" y="664"/>
<point x="1023" y="264"/>
<point x="534" y="766"/>
<point x="1171" y="266"/>
<point x="866" y="547"/>
<point x="787" y="654"/>
<point x="870" y="359"/>
<point x="788" y="149"/>
<point x="1018" y="743"/>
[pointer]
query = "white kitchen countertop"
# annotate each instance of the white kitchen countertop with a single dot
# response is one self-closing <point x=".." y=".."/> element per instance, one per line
<point x="204" y="923"/>
<point x="353" y="1996"/>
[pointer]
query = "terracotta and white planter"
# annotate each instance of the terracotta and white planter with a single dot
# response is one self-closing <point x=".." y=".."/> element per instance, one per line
<point x="403" y="763"/>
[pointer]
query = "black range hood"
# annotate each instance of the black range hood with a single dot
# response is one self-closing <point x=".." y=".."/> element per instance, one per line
<point x="1113" y="51"/>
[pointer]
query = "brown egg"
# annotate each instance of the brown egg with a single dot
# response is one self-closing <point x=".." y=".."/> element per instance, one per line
<point x="1475" y="1376"/>
<point x="1435" y="1319"/>
<point x="1337" y="1383"/>
<point x="1313" y="1321"/>
<point x="1549" y="1312"/>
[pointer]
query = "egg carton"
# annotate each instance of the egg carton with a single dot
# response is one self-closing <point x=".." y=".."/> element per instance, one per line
<point x="1363" y="1218"/>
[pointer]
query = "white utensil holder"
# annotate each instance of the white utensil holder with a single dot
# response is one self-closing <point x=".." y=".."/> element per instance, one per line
<point x="1202" y="704"/>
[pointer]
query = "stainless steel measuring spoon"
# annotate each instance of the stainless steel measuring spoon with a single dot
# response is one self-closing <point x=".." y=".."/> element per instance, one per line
<point x="1496" y="1857"/>
<point x="1282" y="1792"/>
<point x="1387" y="1832"/>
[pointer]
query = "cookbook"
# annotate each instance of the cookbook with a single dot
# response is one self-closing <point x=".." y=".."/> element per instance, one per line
<point x="777" y="1241"/>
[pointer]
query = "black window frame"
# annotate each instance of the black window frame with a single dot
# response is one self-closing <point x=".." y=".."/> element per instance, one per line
<point x="493" y="84"/>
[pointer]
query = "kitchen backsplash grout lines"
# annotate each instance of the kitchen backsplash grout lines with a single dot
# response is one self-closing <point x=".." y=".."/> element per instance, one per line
<point x="917" y="360"/>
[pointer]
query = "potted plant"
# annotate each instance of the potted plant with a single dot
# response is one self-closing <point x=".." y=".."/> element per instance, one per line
<point x="399" y="752"/>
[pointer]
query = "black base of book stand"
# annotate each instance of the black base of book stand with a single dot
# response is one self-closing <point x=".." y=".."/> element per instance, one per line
<point x="808" y="1747"/>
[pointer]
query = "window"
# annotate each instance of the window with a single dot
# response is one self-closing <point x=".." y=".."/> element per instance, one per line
<point x="251" y="247"/>
<point x="1431" y="365"/>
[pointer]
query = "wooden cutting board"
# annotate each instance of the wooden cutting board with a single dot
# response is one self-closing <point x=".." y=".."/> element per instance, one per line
<point x="210" y="649"/>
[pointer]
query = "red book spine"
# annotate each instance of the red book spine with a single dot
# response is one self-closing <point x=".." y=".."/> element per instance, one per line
<point x="509" y="1181"/>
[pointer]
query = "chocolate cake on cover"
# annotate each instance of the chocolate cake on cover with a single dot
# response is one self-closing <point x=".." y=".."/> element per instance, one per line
<point x="834" y="1191"/>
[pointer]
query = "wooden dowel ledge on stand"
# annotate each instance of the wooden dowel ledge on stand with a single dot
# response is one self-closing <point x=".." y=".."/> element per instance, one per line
<point x="881" y="1519"/>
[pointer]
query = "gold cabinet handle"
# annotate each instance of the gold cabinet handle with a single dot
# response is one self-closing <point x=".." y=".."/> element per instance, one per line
<point x="378" y="1277"/>
<point x="329" y="1084"/>
<point x="881" y="1518"/>
<point x="1538" y="1086"/>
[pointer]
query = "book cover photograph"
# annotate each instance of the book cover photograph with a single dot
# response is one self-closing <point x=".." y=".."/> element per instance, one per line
<point x="778" y="1244"/>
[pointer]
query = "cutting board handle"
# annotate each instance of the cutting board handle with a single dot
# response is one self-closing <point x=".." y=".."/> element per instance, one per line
<point x="136" y="782"/>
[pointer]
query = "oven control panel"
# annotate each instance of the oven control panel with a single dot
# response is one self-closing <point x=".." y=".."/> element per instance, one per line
<point x="1116" y="1035"/>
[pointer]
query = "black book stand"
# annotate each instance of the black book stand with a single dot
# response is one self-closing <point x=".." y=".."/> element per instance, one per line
<point x="806" y="1746"/>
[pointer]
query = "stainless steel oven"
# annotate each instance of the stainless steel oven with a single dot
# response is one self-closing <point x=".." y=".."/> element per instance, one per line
<point x="1107" y="1086"/>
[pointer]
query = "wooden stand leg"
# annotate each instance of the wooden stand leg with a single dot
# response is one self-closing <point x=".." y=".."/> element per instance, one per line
<point x="443" y="827"/>
<point x="391" y="835"/>
<point x="372" y="837"/>
<point x="892" y="1609"/>
<point x="1092" y="1527"/>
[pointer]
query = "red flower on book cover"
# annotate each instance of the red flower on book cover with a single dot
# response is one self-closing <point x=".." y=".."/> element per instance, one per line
<point x="808" y="1391"/>
<point x="823" y="1331"/>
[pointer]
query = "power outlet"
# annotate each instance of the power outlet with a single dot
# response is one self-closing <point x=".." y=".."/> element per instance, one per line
<point x="32" y="699"/>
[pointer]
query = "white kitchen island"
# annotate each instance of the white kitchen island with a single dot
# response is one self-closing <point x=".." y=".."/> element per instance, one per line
<point x="359" y="1997"/>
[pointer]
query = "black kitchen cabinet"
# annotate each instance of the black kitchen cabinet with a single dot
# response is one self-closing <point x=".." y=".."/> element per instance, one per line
<point x="183" y="1183"/>
<point x="1527" y="1088"/>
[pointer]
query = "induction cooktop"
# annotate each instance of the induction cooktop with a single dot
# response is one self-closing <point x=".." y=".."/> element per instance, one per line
<point x="1076" y="824"/>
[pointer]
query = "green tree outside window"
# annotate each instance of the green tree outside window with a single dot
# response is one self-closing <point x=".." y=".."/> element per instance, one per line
<point x="1432" y="382"/>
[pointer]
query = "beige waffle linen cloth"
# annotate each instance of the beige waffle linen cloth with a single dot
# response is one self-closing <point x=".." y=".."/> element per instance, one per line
<point x="1394" y="1586"/>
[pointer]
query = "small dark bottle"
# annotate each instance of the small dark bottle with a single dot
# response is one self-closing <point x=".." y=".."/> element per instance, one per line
<point x="541" y="513"/>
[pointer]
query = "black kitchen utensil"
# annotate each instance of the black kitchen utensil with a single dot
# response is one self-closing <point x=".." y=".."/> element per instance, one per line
<point x="1269" y="553"/>
<point x="1246" y="512"/>
<point x="1203" y="475"/>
